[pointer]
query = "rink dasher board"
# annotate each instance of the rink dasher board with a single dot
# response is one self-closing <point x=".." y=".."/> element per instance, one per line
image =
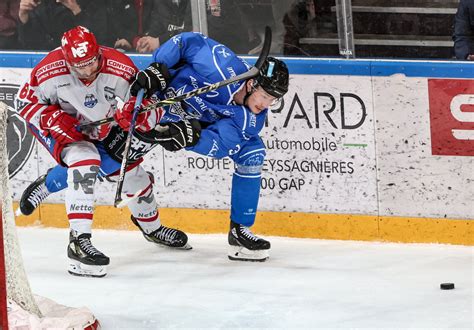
<point x="361" y="140"/>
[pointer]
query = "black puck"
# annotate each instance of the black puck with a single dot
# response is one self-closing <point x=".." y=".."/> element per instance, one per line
<point x="446" y="286"/>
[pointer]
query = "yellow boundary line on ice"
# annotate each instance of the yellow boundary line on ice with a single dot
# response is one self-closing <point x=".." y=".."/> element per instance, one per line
<point x="303" y="225"/>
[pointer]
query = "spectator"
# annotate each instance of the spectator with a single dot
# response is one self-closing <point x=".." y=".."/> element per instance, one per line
<point x="261" y="13"/>
<point x="130" y="19"/>
<point x="42" y="22"/>
<point x="227" y="23"/>
<point x="279" y="10"/>
<point x="8" y="24"/>
<point x="142" y="25"/>
<point x="464" y="31"/>
<point x="300" y="22"/>
<point x="169" y="18"/>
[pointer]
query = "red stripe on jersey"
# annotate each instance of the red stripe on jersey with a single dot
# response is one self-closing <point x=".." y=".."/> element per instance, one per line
<point x="26" y="110"/>
<point x="85" y="216"/>
<point x="30" y="110"/>
<point x="86" y="163"/>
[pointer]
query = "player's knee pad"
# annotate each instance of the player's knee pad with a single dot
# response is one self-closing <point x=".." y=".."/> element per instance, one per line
<point x="250" y="163"/>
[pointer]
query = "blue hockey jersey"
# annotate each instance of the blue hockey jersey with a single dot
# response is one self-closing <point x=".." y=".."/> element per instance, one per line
<point x="195" y="61"/>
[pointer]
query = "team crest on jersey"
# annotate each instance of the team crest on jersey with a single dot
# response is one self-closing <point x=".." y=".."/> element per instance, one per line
<point x="90" y="101"/>
<point x="223" y="52"/>
<point x="109" y="93"/>
<point x="20" y="141"/>
<point x="176" y="40"/>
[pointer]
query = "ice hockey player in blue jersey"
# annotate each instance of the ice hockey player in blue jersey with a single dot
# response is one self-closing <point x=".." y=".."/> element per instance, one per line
<point x="231" y="119"/>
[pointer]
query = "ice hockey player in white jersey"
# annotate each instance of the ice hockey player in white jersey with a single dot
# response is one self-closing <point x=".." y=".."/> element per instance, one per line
<point x="75" y="83"/>
<point x="232" y="118"/>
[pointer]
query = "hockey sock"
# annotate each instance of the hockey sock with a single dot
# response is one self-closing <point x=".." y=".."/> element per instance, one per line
<point x="143" y="208"/>
<point x="80" y="197"/>
<point x="244" y="200"/>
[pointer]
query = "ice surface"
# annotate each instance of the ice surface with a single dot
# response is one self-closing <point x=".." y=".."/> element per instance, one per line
<point x="306" y="283"/>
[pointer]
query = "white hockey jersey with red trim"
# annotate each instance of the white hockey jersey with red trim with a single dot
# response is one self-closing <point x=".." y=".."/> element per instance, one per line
<point x="51" y="82"/>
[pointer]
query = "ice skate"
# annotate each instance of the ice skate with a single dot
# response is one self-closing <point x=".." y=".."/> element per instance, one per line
<point x="33" y="196"/>
<point x="245" y="246"/>
<point x="170" y="237"/>
<point x="84" y="258"/>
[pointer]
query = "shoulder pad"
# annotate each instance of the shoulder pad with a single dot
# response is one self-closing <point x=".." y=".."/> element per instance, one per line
<point x="118" y="64"/>
<point x="51" y="66"/>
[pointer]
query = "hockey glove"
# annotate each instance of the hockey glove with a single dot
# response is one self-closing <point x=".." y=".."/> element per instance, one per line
<point x="153" y="79"/>
<point x="60" y="125"/>
<point x="124" y="116"/>
<point x="176" y="136"/>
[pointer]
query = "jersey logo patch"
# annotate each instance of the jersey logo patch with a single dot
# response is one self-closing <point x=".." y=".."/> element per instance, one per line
<point x="223" y="52"/>
<point x="120" y="66"/>
<point x="109" y="93"/>
<point x="51" y="70"/>
<point x="50" y="66"/>
<point x="90" y="101"/>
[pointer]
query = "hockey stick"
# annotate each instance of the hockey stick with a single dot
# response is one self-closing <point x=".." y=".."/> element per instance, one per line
<point x="125" y="200"/>
<point x="253" y="72"/>
<point x="126" y="150"/>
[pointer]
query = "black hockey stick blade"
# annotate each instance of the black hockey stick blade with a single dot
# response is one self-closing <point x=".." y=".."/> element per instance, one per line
<point x="253" y="72"/>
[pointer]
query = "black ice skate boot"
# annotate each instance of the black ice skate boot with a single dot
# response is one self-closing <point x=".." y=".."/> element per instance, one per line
<point x="245" y="246"/>
<point x="84" y="258"/>
<point x="34" y="195"/>
<point x="170" y="237"/>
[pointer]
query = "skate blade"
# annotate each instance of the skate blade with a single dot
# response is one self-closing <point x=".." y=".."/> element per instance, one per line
<point x="239" y="253"/>
<point x="184" y="247"/>
<point x="77" y="268"/>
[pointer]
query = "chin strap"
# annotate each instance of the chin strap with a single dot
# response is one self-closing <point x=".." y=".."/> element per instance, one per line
<point x="247" y="95"/>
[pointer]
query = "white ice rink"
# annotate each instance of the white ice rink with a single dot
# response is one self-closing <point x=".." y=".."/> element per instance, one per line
<point x="313" y="284"/>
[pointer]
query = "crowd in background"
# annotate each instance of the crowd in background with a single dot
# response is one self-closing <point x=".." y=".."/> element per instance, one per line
<point x="142" y="25"/>
<point x="137" y="25"/>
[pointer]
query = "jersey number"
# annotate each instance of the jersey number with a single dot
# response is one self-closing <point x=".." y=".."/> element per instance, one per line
<point x="28" y="94"/>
